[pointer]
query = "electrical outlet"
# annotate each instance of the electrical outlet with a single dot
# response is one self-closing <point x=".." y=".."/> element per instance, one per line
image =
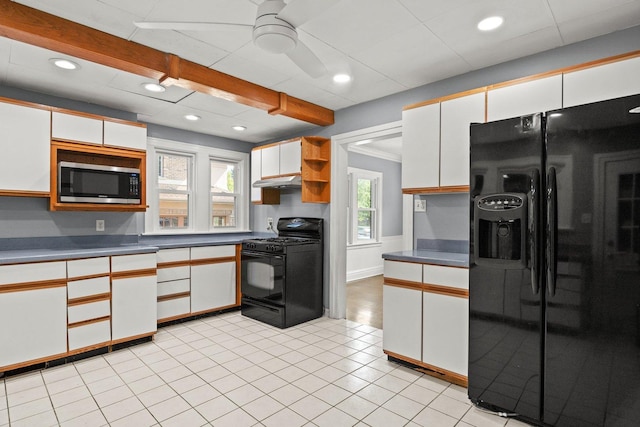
<point x="269" y="223"/>
<point x="99" y="224"/>
<point x="419" y="205"/>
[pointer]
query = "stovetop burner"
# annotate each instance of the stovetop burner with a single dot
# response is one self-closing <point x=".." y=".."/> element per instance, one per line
<point x="292" y="232"/>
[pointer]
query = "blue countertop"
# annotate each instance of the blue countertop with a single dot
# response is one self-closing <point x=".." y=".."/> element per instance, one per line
<point x="450" y="259"/>
<point x="17" y="251"/>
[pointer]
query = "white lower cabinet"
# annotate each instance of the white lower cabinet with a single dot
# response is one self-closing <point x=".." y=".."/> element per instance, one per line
<point x="213" y="286"/>
<point x="33" y="319"/>
<point x="213" y="277"/>
<point x="134" y="294"/>
<point x="402" y="321"/>
<point x="426" y="316"/>
<point x="445" y="332"/>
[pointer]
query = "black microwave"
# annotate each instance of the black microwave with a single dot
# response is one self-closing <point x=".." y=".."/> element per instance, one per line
<point x="88" y="183"/>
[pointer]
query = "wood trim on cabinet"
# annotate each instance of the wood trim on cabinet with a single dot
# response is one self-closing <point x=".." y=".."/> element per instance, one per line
<point x="212" y="310"/>
<point x="22" y="193"/>
<point x="88" y="322"/>
<point x="431" y="370"/>
<point x="238" y="275"/>
<point x="174" y="296"/>
<point x="172" y="264"/>
<point x="446" y="290"/>
<point x="32" y="362"/>
<point x="90" y="276"/>
<point x="399" y="283"/>
<point x="437" y="190"/>
<point x="446" y="98"/>
<point x="88" y="348"/>
<point x="133" y="273"/>
<point x="133" y="338"/>
<point x="89" y="299"/>
<point x="32" y="286"/>
<point x="205" y="261"/>
<point x="281" y="175"/>
<point x="25" y="103"/>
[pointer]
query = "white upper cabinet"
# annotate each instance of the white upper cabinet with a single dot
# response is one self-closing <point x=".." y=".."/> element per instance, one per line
<point x="290" y="157"/>
<point x="75" y="128"/>
<point x="524" y="98"/>
<point x="456" y="116"/>
<point x="24" y="138"/>
<point x="270" y="161"/>
<point x="602" y="82"/>
<point x="125" y="135"/>
<point x="256" y="174"/>
<point x="421" y="146"/>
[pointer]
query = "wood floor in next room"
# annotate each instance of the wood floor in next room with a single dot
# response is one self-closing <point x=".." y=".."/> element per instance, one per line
<point x="364" y="301"/>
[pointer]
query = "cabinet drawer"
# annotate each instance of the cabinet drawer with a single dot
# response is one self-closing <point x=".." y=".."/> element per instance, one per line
<point x="87" y="287"/>
<point x="36" y="272"/>
<point x="174" y="287"/>
<point x="205" y="252"/>
<point x="173" y="255"/>
<point x="90" y="334"/>
<point x="92" y="310"/>
<point x="446" y="276"/>
<point x="88" y="267"/>
<point x="133" y="262"/>
<point x="174" y="307"/>
<point x="411" y="272"/>
<point x="173" y="273"/>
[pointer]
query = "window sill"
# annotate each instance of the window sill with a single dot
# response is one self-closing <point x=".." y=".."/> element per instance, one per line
<point x="364" y="245"/>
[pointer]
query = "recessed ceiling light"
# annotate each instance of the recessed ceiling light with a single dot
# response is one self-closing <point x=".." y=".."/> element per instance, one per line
<point x="341" y="78"/>
<point x="490" y="23"/>
<point x="192" y="117"/>
<point x="64" y="64"/>
<point x="635" y="110"/>
<point x="239" y="128"/>
<point x="153" y="87"/>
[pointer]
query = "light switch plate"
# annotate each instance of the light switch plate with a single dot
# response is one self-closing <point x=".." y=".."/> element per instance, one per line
<point x="99" y="224"/>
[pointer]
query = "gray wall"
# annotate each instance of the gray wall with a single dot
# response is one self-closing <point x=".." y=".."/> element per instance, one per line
<point x="447" y="217"/>
<point x="391" y="189"/>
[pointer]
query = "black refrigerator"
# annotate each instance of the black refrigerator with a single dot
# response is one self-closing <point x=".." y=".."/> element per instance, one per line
<point x="554" y="280"/>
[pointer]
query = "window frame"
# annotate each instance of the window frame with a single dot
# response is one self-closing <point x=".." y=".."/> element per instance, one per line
<point x="352" y="206"/>
<point x="200" y="215"/>
<point x="236" y="195"/>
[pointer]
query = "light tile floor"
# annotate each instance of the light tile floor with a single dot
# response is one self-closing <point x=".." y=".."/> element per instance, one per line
<point x="229" y="370"/>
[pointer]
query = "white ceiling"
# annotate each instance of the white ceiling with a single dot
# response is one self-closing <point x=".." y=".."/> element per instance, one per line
<point x="388" y="46"/>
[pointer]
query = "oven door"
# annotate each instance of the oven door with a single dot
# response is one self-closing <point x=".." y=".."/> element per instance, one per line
<point x="263" y="276"/>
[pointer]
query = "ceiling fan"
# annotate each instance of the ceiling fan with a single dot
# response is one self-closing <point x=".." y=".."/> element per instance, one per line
<point x="274" y="30"/>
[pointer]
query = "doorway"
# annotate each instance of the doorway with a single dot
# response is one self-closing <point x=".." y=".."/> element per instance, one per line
<point x="338" y="211"/>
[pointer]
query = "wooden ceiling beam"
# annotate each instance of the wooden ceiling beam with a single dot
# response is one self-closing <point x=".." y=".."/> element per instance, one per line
<point x="32" y="26"/>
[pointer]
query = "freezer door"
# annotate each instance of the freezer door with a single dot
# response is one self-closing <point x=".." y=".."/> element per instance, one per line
<point x="592" y="368"/>
<point x="505" y="311"/>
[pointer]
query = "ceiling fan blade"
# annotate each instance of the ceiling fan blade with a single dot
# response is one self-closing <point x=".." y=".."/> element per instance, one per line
<point x="192" y="26"/>
<point x="304" y="58"/>
<point x="298" y="12"/>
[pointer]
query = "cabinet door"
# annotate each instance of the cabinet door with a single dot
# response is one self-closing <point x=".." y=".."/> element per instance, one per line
<point x="24" y="138"/>
<point x="71" y="127"/>
<point x="34" y="324"/>
<point x="270" y="161"/>
<point x="256" y="174"/>
<point x="602" y="82"/>
<point x="401" y="321"/>
<point x="421" y="147"/>
<point x="456" y="116"/>
<point x="525" y="98"/>
<point x="213" y="286"/>
<point x="133" y="306"/>
<point x="445" y="332"/>
<point x="290" y="157"/>
<point x="125" y="135"/>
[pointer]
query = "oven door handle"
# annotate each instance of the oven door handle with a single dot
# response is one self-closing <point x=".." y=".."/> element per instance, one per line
<point x="253" y="254"/>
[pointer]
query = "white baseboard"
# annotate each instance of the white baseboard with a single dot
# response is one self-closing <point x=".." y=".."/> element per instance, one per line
<point x="364" y="273"/>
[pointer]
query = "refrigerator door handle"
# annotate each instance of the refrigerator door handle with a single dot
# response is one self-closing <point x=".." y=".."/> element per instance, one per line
<point x="534" y="237"/>
<point x="552" y="230"/>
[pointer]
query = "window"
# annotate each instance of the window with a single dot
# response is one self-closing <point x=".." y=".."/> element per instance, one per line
<point x="174" y="190"/>
<point x="223" y="194"/>
<point x="196" y="189"/>
<point x="365" y="193"/>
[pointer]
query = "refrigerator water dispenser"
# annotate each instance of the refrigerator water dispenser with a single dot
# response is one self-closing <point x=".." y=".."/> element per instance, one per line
<point x="500" y="226"/>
